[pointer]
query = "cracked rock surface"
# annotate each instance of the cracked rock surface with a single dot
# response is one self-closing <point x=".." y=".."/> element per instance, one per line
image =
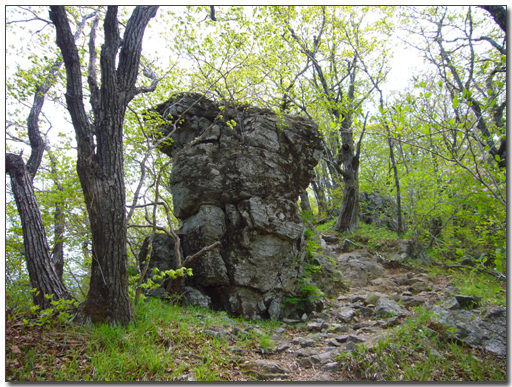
<point x="239" y="183"/>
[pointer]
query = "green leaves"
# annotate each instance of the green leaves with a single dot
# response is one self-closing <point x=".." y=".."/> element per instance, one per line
<point x="455" y="101"/>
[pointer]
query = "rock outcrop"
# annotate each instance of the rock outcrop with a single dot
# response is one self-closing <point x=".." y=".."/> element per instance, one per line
<point x="236" y="179"/>
<point x="377" y="210"/>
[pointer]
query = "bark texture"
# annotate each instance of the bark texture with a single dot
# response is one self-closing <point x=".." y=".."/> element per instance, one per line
<point x="43" y="275"/>
<point x="100" y="153"/>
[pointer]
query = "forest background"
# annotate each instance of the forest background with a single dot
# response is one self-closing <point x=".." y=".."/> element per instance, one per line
<point x="436" y="144"/>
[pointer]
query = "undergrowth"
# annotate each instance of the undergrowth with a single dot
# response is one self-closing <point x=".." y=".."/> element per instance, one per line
<point x="420" y="350"/>
<point x="165" y="342"/>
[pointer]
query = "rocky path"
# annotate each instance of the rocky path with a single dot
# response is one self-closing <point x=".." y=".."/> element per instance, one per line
<point x="381" y="296"/>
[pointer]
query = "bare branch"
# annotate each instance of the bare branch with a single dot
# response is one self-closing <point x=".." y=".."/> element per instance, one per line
<point x="192" y="258"/>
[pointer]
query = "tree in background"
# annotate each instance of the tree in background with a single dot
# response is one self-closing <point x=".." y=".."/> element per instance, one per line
<point x="44" y="265"/>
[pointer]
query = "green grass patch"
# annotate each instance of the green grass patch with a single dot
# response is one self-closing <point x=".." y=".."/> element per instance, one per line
<point x="327" y="226"/>
<point x="165" y="342"/>
<point x="419" y="350"/>
<point x="474" y="283"/>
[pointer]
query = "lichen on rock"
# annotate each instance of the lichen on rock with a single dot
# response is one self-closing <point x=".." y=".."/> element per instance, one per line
<point x="237" y="179"/>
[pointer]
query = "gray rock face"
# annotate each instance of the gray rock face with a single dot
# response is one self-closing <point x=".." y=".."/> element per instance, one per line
<point x="411" y="250"/>
<point x="359" y="267"/>
<point x="239" y="185"/>
<point x="389" y="308"/>
<point x="489" y="331"/>
<point x="162" y="257"/>
<point x="378" y="210"/>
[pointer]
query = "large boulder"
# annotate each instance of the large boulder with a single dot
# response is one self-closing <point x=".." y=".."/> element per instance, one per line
<point x="488" y="331"/>
<point x="236" y="179"/>
<point x="378" y="210"/>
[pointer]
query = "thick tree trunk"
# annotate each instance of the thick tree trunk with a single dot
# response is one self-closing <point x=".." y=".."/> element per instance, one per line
<point x="320" y="197"/>
<point x="100" y="151"/>
<point x="104" y="194"/>
<point x="43" y="275"/>
<point x="305" y="206"/>
<point x="349" y="214"/>
<point x="347" y="220"/>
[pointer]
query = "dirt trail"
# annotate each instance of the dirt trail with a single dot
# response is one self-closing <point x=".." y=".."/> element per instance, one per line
<point x="306" y="350"/>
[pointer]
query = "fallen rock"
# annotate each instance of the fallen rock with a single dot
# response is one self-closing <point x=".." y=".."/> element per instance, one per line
<point x="331" y="367"/>
<point x="359" y="267"/>
<point x="192" y="296"/>
<point x="323" y="357"/>
<point x="265" y="367"/>
<point x="378" y="210"/>
<point x="316" y="325"/>
<point x="409" y="301"/>
<point x="345" y="314"/>
<point x="488" y="332"/>
<point x="468" y="302"/>
<point x="389" y="308"/>
<point x="409" y="250"/>
<point x="307" y="343"/>
<point x="332" y="239"/>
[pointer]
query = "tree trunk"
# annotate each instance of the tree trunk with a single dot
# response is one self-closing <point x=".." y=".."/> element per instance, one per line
<point x="320" y="197"/>
<point x="59" y="225"/>
<point x="400" y="228"/>
<point x="100" y="163"/>
<point x="58" y="243"/>
<point x="349" y="214"/>
<point x="43" y="276"/>
<point x="305" y="206"/>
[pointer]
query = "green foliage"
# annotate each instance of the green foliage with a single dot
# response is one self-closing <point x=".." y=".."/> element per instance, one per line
<point x="154" y="280"/>
<point x="62" y="311"/>
<point x="164" y="342"/>
<point x="373" y="237"/>
<point x="159" y="276"/>
<point x="307" y="292"/>
<point x="474" y="282"/>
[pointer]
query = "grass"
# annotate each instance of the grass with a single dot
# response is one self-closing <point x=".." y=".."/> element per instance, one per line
<point x="165" y="342"/>
<point x="366" y="235"/>
<point x="474" y="283"/>
<point x="419" y="350"/>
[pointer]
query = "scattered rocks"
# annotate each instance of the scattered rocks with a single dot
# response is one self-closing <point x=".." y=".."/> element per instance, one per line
<point x="265" y="369"/>
<point x="220" y="333"/>
<point x="389" y="308"/>
<point x="316" y="325"/>
<point x="345" y="314"/>
<point x="307" y="343"/>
